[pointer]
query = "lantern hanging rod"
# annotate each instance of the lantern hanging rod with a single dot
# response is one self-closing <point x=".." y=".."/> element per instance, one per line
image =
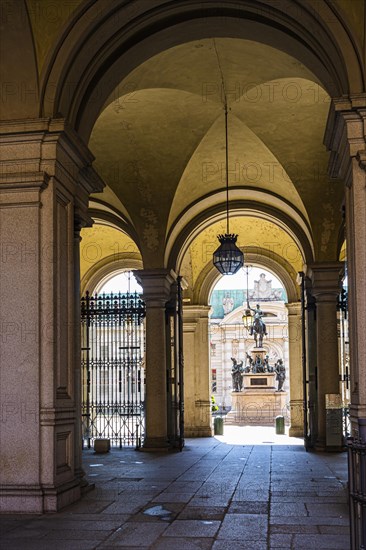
<point x="227" y="170"/>
<point x="226" y="139"/>
<point x="228" y="258"/>
<point x="247" y="269"/>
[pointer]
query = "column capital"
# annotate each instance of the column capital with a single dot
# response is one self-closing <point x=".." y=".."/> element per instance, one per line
<point x="156" y="284"/>
<point x="81" y="219"/>
<point x="326" y="279"/>
<point x="196" y="311"/>
<point x="192" y="314"/>
<point x="294" y="308"/>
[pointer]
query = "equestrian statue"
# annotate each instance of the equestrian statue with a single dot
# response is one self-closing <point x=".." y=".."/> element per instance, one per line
<point x="258" y="328"/>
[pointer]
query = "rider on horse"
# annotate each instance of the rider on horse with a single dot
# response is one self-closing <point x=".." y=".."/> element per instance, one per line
<point x="258" y="314"/>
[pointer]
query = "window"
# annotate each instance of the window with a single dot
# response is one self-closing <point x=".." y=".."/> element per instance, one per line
<point x="213" y="349"/>
<point x="213" y="379"/>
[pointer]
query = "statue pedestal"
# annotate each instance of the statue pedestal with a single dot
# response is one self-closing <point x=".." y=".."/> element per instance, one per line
<point x="259" y="381"/>
<point x="259" y="403"/>
<point x="261" y="352"/>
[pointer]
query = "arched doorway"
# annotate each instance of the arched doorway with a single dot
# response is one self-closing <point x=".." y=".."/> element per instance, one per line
<point x="259" y="236"/>
<point x="112" y="362"/>
<point x="231" y="342"/>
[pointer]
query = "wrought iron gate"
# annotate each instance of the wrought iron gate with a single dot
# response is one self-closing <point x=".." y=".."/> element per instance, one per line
<point x="175" y="367"/>
<point x="112" y="340"/>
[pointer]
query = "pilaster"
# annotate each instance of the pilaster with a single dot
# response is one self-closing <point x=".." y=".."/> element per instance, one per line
<point x="346" y="139"/>
<point x="45" y="177"/>
<point x="197" y="380"/>
<point x="311" y="363"/>
<point x="296" y="375"/>
<point x="326" y="283"/>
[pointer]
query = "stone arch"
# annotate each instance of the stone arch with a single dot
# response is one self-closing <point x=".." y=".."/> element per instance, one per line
<point x="263" y="258"/>
<point x="96" y="50"/>
<point x="103" y="270"/>
<point x="299" y="233"/>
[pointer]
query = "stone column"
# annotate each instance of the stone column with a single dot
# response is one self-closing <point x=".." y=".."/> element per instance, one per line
<point x="197" y="378"/>
<point x="45" y="175"/>
<point x="325" y="288"/>
<point x="80" y="221"/>
<point x="346" y="139"/>
<point x="156" y="285"/>
<point x="311" y="363"/>
<point x="295" y="368"/>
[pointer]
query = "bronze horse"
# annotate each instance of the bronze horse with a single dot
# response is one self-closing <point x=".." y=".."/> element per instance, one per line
<point x="258" y="328"/>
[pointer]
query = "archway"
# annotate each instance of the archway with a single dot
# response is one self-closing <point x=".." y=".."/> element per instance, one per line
<point x="231" y="343"/>
<point x="104" y="251"/>
<point x="201" y="276"/>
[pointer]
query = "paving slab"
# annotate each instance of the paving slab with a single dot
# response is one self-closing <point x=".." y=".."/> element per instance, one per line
<point x="284" y="529"/>
<point x="330" y="542"/>
<point x="192" y="528"/>
<point x="280" y="541"/>
<point x="183" y="543"/>
<point x="334" y="529"/>
<point x="331" y="509"/>
<point x="247" y="527"/>
<point x="205" y="512"/>
<point x="302" y="520"/>
<point x="173" y="497"/>
<point x="239" y="544"/>
<point x="248" y="507"/>
<point x="135" y="534"/>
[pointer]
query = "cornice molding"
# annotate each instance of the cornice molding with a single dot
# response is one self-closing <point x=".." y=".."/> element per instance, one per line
<point x="51" y="146"/>
<point x="345" y="136"/>
<point x="23" y="180"/>
<point x="326" y="280"/>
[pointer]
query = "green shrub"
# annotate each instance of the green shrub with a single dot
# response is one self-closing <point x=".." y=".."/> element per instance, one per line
<point x="214" y="407"/>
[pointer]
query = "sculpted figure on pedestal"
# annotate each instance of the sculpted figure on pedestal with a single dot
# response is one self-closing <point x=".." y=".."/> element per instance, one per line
<point x="237" y="375"/>
<point x="280" y="371"/>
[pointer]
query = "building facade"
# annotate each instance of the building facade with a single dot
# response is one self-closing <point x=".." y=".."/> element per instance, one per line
<point x="230" y="339"/>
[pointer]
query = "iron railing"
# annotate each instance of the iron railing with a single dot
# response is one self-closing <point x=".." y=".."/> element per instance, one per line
<point x="357" y="493"/>
<point x="112" y="331"/>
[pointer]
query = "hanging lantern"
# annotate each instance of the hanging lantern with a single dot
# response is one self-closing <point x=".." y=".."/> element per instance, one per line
<point x="247" y="319"/>
<point x="228" y="258"/>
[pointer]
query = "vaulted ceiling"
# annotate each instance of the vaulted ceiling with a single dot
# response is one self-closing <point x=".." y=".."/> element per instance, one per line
<point x="160" y="142"/>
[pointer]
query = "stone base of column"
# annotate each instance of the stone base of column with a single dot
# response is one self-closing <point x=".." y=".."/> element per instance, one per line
<point x="356" y="412"/>
<point x="297" y="418"/>
<point x="155" y="444"/>
<point x="321" y="446"/>
<point x="198" y="431"/>
<point x="33" y="499"/>
<point x="85" y="486"/>
<point x="295" y="431"/>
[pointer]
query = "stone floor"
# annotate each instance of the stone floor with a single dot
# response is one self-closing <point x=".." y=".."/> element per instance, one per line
<point x="249" y="489"/>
